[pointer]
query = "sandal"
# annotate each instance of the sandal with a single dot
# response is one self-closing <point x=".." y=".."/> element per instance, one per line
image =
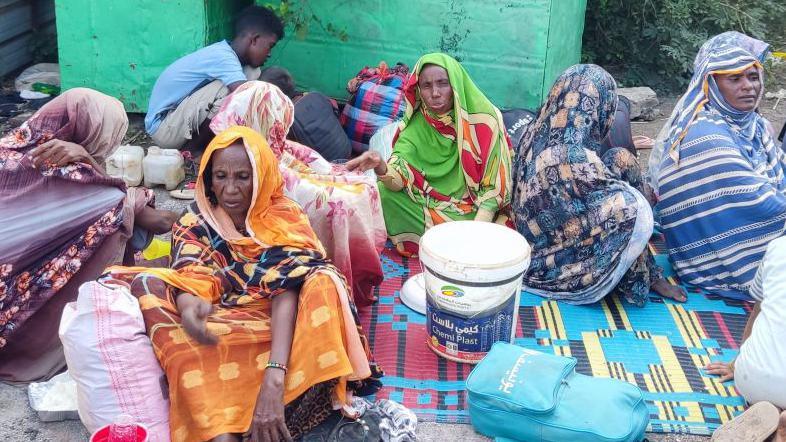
<point x="643" y="142"/>
<point x="186" y="193"/>
<point x="756" y="424"/>
<point x="338" y="428"/>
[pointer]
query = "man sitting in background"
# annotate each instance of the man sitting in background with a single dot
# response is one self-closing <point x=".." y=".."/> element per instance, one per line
<point x="316" y="122"/>
<point x="189" y="92"/>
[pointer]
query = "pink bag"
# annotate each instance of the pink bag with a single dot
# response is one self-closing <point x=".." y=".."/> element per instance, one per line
<point x="111" y="360"/>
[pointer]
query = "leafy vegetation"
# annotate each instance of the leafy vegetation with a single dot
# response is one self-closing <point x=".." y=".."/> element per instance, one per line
<point x="299" y="15"/>
<point x="654" y="42"/>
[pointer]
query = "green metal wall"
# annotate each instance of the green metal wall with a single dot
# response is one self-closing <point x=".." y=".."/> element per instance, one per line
<point x="119" y="47"/>
<point x="566" y="26"/>
<point x="513" y="49"/>
<point x="220" y="16"/>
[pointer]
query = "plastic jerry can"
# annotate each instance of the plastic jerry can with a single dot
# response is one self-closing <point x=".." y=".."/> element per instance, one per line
<point x="126" y="163"/>
<point x="163" y="166"/>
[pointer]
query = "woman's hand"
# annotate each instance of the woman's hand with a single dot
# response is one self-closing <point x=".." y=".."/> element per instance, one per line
<point x="723" y="369"/>
<point x="268" y="423"/>
<point x="59" y="153"/>
<point x="193" y="314"/>
<point x="366" y="161"/>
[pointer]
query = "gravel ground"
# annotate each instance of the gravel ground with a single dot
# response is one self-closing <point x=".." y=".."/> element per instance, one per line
<point x="18" y="421"/>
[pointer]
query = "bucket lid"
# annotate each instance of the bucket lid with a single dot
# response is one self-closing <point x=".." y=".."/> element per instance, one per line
<point x="476" y="245"/>
<point x="413" y="293"/>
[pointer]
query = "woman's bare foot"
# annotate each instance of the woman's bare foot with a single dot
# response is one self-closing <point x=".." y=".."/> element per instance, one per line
<point x="649" y="194"/>
<point x="667" y="290"/>
<point x="780" y="433"/>
<point x="156" y="220"/>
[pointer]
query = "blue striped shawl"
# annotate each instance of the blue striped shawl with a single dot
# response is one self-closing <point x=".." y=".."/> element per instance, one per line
<point x="729" y="50"/>
<point x="720" y="176"/>
<point x="722" y="201"/>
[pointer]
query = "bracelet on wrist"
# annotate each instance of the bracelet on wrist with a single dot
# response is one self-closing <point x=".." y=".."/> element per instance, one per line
<point x="276" y="365"/>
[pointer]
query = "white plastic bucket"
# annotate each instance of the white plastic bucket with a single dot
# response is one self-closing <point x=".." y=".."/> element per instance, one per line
<point x="473" y="273"/>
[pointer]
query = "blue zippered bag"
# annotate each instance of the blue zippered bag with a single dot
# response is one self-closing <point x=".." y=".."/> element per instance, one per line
<point x="516" y="394"/>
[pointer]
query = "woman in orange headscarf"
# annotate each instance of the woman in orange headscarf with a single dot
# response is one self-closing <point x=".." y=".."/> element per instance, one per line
<point x="342" y="207"/>
<point x="250" y="305"/>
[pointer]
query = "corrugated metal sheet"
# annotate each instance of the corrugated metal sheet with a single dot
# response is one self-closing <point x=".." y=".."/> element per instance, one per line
<point x="18" y="21"/>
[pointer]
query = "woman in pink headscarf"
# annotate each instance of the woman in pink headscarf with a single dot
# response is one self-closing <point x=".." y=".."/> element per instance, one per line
<point x="63" y="221"/>
<point x="343" y="207"/>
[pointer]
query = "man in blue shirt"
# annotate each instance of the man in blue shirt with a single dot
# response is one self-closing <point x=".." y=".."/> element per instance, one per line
<point x="189" y="92"/>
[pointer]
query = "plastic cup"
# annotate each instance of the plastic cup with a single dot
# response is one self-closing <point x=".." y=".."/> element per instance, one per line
<point x="102" y="434"/>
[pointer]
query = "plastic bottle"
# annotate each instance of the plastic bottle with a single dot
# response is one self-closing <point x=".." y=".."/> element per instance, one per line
<point x="123" y="429"/>
<point x="163" y="166"/>
<point x="45" y="88"/>
<point x="126" y="163"/>
<point x="156" y="249"/>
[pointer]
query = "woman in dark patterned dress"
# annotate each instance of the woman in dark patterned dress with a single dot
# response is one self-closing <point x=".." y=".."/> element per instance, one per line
<point x="581" y="205"/>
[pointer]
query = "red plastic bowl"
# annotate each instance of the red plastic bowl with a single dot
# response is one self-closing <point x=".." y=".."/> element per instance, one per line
<point x="102" y="434"/>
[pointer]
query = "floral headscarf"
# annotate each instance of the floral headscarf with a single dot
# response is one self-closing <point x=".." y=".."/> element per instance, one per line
<point x="271" y="113"/>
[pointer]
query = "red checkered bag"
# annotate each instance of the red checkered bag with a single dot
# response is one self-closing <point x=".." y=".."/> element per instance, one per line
<point x="376" y="99"/>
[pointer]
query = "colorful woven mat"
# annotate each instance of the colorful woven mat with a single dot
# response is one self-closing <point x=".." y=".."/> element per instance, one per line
<point x="661" y="347"/>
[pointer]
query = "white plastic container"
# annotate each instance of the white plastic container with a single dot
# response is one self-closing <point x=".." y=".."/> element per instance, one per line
<point x="126" y="163"/>
<point x="55" y="399"/>
<point x="163" y="166"/>
<point x="382" y="140"/>
<point x="473" y="273"/>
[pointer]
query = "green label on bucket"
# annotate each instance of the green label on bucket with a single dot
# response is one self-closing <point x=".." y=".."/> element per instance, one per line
<point x="452" y="291"/>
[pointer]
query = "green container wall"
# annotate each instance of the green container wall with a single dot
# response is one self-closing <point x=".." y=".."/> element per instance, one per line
<point x="120" y="47"/>
<point x="513" y="50"/>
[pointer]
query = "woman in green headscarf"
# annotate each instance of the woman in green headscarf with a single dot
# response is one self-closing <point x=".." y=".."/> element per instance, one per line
<point x="451" y="157"/>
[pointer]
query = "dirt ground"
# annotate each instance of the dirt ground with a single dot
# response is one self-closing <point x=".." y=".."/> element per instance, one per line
<point x="18" y="422"/>
<point x="650" y="129"/>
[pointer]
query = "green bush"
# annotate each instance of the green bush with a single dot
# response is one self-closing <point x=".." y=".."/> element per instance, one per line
<point x="654" y="42"/>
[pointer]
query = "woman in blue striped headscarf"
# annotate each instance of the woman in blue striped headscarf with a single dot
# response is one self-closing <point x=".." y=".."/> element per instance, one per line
<point x="684" y="109"/>
<point x="719" y="175"/>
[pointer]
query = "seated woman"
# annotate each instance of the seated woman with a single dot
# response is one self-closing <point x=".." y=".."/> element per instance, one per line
<point x="343" y="208"/>
<point x="721" y="178"/>
<point x="758" y="48"/>
<point x="255" y="330"/>
<point x="451" y="157"/>
<point x="581" y="206"/>
<point x="63" y="221"/>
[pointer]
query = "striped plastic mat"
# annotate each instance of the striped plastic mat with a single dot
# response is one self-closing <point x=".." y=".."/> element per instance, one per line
<point x="661" y="347"/>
